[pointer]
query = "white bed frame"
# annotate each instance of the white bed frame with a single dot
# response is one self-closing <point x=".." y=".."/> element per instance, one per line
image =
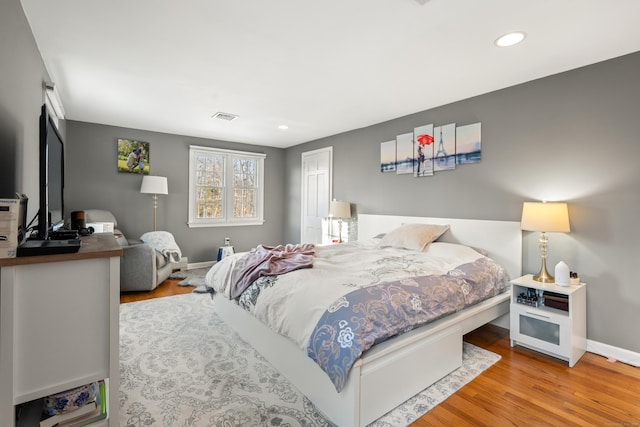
<point x="399" y="368"/>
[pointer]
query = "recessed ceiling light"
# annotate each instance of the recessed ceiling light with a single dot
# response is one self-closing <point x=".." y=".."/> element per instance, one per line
<point x="510" y="39"/>
<point x="283" y="127"/>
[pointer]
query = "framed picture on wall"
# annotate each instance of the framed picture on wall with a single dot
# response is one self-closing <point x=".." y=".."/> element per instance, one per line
<point x="444" y="147"/>
<point x="469" y="143"/>
<point x="133" y="157"/>
<point x="404" y="153"/>
<point x="423" y="147"/>
<point x="388" y="156"/>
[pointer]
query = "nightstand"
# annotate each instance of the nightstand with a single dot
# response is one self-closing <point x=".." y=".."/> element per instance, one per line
<point x="549" y="318"/>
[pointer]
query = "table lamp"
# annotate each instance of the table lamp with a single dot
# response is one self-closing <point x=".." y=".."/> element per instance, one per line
<point x="545" y="217"/>
<point x="340" y="210"/>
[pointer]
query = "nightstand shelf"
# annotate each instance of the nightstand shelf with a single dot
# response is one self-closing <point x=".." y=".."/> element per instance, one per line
<point x="554" y="331"/>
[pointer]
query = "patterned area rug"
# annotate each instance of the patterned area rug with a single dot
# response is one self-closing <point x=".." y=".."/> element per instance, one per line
<point x="194" y="277"/>
<point x="181" y="365"/>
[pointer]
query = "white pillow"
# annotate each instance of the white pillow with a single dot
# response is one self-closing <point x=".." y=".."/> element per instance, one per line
<point x="415" y="237"/>
<point x="453" y="251"/>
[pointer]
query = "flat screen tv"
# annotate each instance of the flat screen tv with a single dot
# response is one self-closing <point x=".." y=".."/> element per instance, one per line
<point x="51" y="209"/>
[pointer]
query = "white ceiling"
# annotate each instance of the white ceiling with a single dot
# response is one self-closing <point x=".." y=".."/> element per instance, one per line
<point x="321" y="67"/>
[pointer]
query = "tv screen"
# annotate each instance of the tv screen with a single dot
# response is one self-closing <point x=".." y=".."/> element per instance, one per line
<point x="51" y="210"/>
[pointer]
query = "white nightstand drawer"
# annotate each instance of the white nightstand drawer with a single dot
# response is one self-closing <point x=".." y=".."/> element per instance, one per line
<point x="540" y="328"/>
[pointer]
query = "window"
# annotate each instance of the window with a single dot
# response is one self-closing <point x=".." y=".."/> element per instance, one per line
<point x="225" y="187"/>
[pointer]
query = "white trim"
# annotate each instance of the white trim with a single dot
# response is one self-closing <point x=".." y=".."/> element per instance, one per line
<point x="620" y="354"/>
<point x="52" y="99"/>
<point x="318" y="150"/>
<point x="224" y="224"/>
<point x="227" y="151"/>
<point x="227" y="220"/>
<point x="203" y="264"/>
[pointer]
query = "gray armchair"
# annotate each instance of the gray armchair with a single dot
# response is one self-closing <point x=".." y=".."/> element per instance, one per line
<point x="142" y="268"/>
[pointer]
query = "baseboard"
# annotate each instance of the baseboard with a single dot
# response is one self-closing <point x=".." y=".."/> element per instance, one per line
<point x="615" y="353"/>
<point x="203" y="264"/>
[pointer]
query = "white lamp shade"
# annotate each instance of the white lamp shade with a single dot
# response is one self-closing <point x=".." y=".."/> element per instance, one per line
<point x="339" y="209"/>
<point x="154" y="185"/>
<point x="553" y="217"/>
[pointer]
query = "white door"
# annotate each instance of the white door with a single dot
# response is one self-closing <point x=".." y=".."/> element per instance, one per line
<point x="317" y="169"/>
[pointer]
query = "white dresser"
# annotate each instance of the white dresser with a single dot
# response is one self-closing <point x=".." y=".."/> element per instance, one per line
<point x="59" y="324"/>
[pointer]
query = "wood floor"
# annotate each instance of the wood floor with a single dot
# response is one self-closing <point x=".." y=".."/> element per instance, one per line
<point x="524" y="388"/>
<point x="167" y="288"/>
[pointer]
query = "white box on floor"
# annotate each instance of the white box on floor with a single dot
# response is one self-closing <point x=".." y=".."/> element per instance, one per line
<point x="101" y="227"/>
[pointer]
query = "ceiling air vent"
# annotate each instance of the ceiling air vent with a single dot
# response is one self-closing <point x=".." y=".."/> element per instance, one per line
<point x="225" y="116"/>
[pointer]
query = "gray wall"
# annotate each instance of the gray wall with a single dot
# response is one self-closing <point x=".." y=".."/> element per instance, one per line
<point x="570" y="137"/>
<point x="22" y="74"/>
<point x="92" y="181"/>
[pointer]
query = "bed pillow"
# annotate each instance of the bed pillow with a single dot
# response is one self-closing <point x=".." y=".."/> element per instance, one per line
<point x="415" y="237"/>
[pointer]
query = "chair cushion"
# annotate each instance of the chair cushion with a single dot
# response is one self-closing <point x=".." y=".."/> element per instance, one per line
<point x="161" y="260"/>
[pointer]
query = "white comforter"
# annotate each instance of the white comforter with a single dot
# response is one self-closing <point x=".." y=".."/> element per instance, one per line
<point x="293" y="303"/>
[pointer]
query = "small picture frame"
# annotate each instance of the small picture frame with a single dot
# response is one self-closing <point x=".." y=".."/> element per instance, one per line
<point x="133" y="157"/>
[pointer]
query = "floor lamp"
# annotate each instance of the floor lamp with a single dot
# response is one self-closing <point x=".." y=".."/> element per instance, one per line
<point x="154" y="185"/>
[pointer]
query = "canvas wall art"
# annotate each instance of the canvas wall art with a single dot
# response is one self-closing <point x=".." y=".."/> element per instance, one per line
<point x="404" y="150"/>
<point x="445" y="147"/>
<point x="423" y="150"/>
<point x="431" y="148"/>
<point x="133" y="157"/>
<point x="388" y="156"/>
<point x="469" y="143"/>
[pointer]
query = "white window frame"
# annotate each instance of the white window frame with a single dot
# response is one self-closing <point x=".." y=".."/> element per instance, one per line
<point x="227" y="220"/>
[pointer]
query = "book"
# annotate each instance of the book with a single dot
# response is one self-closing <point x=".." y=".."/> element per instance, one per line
<point x="66" y="417"/>
<point x="90" y="419"/>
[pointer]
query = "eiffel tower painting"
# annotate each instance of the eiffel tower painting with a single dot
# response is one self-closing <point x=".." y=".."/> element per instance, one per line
<point x="441" y="151"/>
<point x="445" y="157"/>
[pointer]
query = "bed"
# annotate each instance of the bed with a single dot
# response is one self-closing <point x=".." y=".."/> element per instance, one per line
<point x="392" y="371"/>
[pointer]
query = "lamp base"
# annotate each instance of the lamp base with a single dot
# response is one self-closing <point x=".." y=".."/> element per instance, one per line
<point x="544" y="276"/>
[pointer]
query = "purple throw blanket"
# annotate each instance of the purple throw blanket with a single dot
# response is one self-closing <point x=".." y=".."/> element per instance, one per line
<point x="269" y="261"/>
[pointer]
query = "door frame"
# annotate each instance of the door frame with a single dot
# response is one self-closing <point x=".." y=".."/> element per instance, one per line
<point x="303" y="188"/>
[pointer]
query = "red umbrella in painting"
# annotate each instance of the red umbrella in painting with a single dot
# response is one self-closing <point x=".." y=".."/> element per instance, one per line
<point x="424" y="139"/>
